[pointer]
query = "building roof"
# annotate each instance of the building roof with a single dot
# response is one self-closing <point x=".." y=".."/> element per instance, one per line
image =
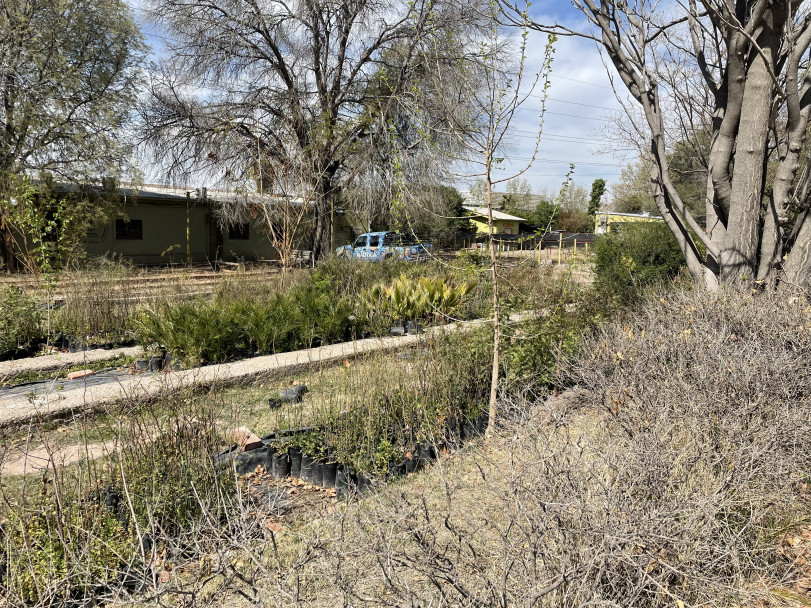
<point x="497" y="215"/>
<point x="639" y="215"/>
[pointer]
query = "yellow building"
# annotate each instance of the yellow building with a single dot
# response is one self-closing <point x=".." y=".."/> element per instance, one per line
<point x="604" y="220"/>
<point x="503" y="223"/>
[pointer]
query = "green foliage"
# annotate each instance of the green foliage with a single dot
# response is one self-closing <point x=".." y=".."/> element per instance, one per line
<point x="43" y="550"/>
<point x="169" y="471"/>
<point x="424" y="298"/>
<point x="544" y="216"/>
<point x="573" y="220"/>
<point x="20" y="320"/>
<point x="597" y="191"/>
<point x="75" y="67"/>
<point x="636" y="256"/>
<point x="230" y="325"/>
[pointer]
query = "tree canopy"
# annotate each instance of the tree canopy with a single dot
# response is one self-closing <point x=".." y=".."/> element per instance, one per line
<point x="68" y="71"/>
<point x="308" y="88"/>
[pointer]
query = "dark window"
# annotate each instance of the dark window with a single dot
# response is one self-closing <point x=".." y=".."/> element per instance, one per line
<point x="374" y="240"/>
<point x="398" y="239"/>
<point x="239" y="232"/>
<point x="360" y="242"/>
<point x="132" y="230"/>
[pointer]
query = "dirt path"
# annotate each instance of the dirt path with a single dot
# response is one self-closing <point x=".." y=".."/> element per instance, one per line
<point x="25" y="460"/>
<point x="62" y="360"/>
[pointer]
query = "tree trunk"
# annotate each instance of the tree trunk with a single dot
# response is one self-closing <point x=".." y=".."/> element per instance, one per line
<point x="492" y="409"/>
<point x="797" y="267"/>
<point x="739" y="257"/>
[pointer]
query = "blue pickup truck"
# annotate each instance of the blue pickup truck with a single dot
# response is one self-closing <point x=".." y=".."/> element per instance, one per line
<point x="377" y="246"/>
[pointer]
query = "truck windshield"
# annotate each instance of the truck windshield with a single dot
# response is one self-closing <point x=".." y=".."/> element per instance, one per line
<point x="360" y="242"/>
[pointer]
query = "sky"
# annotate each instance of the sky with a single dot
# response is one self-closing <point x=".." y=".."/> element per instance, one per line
<point x="579" y="100"/>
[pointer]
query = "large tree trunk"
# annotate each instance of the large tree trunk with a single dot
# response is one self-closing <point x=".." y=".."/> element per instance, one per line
<point x="739" y="257"/>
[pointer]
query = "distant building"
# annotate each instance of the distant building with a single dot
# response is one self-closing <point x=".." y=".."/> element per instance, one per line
<point x="503" y="223"/>
<point x="174" y="225"/>
<point x="604" y="220"/>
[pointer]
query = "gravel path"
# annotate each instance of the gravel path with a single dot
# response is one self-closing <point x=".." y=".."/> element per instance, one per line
<point x="80" y="394"/>
<point x="62" y="360"/>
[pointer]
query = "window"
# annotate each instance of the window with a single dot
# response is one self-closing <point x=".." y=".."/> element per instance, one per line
<point x="360" y="242"/>
<point x="399" y="239"/>
<point x="239" y="232"/>
<point x="132" y="230"/>
<point x="374" y="240"/>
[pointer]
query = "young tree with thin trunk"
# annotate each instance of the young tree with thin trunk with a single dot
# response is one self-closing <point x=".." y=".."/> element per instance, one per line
<point x="737" y="71"/>
<point x="481" y="98"/>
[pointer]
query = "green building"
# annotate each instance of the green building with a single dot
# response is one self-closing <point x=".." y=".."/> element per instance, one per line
<point x="166" y="225"/>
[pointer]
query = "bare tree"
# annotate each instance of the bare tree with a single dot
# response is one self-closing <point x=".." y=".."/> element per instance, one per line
<point x="740" y="72"/>
<point x="479" y="98"/>
<point x="308" y="83"/>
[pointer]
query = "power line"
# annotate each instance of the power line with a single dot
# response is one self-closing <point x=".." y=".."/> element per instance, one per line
<point x="592" y="84"/>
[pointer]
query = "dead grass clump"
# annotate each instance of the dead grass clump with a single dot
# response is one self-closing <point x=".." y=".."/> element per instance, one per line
<point x="672" y="481"/>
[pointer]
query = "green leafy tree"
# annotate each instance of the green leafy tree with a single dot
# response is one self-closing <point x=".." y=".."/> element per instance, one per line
<point x="633" y="193"/>
<point x="597" y="191"/>
<point x="68" y="72"/>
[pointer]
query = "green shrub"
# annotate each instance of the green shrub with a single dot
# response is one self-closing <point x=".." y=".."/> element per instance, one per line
<point x="231" y="325"/>
<point x="63" y="552"/>
<point x="20" y="320"/>
<point x="636" y="256"/>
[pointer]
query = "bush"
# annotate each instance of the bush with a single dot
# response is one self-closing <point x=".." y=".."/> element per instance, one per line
<point x="20" y="320"/>
<point x="633" y="257"/>
<point x="680" y="477"/>
<point x="231" y="324"/>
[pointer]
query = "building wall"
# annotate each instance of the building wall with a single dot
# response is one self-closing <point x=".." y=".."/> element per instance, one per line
<point x="256" y="247"/>
<point x="163" y="237"/>
<point x="604" y="221"/>
<point x="499" y="226"/>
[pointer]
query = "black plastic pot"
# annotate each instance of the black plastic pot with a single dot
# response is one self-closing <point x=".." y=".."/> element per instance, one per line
<point x="397" y="469"/>
<point x="281" y="465"/>
<point x="247" y="462"/>
<point x="481" y="422"/>
<point x="295" y="462"/>
<point x="414" y="327"/>
<point x="329" y="474"/>
<point x="364" y="482"/>
<point x="411" y="464"/>
<point x="307" y="465"/>
<point x="426" y="452"/>
<point x="294" y="394"/>
<point x="172" y="362"/>
<point x="318" y="474"/>
<point x="454" y="431"/>
<point x="142" y="365"/>
<point x="155" y="364"/>
<point x="342" y="482"/>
